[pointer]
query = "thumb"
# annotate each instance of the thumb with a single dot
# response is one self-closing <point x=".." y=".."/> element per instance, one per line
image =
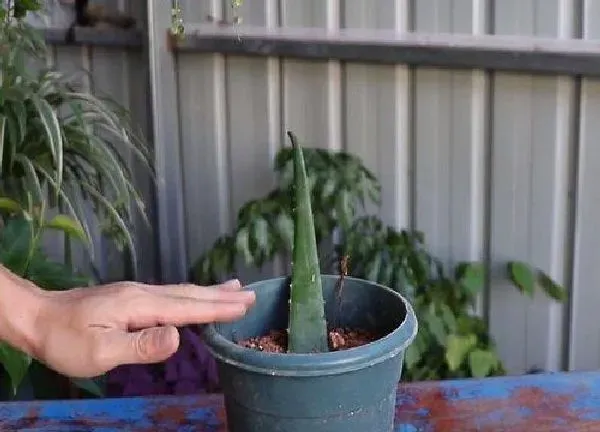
<point x="151" y="345"/>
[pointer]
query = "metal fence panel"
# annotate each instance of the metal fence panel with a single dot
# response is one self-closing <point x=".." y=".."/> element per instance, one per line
<point x="490" y="165"/>
<point x="122" y="75"/>
<point x="584" y="348"/>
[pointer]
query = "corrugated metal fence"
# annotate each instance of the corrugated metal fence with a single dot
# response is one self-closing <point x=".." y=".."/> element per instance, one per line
<point x="490" y="165"/>
<point x="122" y="74"/>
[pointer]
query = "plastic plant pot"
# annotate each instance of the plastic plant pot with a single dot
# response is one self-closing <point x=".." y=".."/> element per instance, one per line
<point x="343" y="391"/>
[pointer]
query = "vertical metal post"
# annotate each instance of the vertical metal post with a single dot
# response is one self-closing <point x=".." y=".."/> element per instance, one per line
<point x="166" y="138"/>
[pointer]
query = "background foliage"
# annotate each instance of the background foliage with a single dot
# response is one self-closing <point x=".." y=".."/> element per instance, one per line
<point x="452" y="342"/>
<point x="63" y="166"/>
<point x="60" y="145"/>
<point x="21" y="253"/>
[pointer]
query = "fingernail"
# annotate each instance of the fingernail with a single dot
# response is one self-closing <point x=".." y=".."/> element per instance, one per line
<point x="233" y="284"/>
<point x="156" y="343"/>
<point x="249" y="296"/>
<point x="165" y="337"/>
<point x="240" y="309"/>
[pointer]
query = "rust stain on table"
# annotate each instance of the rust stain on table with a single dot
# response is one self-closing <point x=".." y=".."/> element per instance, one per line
<point x="568" y="402"/>
<point x="552" y="402"/>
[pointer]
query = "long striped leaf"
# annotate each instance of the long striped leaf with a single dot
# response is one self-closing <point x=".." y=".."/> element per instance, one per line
<point x="116" y="217"/>
<point x="10" y="205"/>
<point x="67" y="225"/>
<point x="2" y="129"/>
<point x="66" y="200"/>
<point x="31" y="176"/>
<point x="53" y="131"/>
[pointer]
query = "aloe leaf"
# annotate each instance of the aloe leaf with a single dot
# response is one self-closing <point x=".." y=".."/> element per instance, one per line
<point x="307" y="325"/>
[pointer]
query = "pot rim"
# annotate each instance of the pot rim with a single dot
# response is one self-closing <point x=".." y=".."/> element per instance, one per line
<point x="317" y="364"/>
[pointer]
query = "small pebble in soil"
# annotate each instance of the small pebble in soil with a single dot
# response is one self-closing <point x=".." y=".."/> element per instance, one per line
<point x="339" y="339"/>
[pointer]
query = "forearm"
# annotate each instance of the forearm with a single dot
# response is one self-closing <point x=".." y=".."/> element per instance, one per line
<point x="20" y="305"/>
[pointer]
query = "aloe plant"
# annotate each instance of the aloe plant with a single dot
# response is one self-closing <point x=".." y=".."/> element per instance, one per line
<point x="307" y="332"/>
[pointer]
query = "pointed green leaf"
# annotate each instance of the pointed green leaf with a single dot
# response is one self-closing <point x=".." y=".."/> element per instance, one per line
<point x="457" y="349"/>
<point x="32" y="178"/>
<point x="15" y="363"/>
<point x="551" y="288"/>
<point x="344" y="209"/>
<point x="435" y="325"/>
<point x="242" y="244"/>
<point x="482" y="362"/>
<point x="412" y="356"/>
<point x="385" y="276"/>
<point x="307" y="326"/>
<point x="522" y="276"/>
<point x="89" y="385"/>
<point x="373" y="267"/>
<point x="67" y="225"/>
<point x="10" y="205"/>
<point x="2" y="137"/>
<point x="448" y="317"/>
<point x="53" y="276"/>
<point x="16" y="245"/>
<point x="260" y="235"/>
<point x="403" y="284"/>
<point x="285" y="228"/>
<point x="114" y="217"/>
<point x="74" y="206"/>
<point x="11" y="143"/>
<point x="328" y="188"/>
<point x="53" y="133"/>
<point x="472" y="277"/>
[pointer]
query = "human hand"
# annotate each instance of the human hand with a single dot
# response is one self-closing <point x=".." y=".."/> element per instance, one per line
<point x="86" y="332"/>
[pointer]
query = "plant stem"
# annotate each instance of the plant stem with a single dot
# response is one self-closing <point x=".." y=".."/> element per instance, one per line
<point x="340" y="286"/>
<point x="307" y="332"/>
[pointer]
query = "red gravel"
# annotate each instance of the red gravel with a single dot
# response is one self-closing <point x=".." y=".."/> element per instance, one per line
<point x="339" y="339"/>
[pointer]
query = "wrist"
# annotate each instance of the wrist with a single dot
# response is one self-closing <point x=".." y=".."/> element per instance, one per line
<point x="21" y="303"/>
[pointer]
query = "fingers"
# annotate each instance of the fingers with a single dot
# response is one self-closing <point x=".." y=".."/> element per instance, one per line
<point x="151" y="345"/>
<point x="180" y="311"/>
<point x="230" y="285"/>
<point x="227" y="292"/>
<point x="184" y="311"/>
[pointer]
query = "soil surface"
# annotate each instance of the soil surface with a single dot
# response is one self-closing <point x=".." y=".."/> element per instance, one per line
<point x="339" y="339"/>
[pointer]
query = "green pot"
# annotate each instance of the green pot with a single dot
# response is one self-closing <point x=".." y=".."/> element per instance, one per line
<point x="344" y="391"/>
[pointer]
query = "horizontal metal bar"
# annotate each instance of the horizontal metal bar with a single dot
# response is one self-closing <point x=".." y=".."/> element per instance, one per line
<point x="507" y="53"/>
<point x="101" y="37"/>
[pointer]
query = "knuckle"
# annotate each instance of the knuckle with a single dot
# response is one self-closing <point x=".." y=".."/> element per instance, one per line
<point x="133" y="295"/>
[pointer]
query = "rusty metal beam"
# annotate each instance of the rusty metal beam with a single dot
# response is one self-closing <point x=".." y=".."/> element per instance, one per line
<point x="455" y="51"/>
<point x="558" y="402"/>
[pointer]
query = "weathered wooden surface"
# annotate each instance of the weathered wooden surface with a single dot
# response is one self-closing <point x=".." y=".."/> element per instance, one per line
<point x="553" y="402"/>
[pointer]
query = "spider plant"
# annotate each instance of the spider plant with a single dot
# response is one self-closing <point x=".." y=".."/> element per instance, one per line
<point x="63" y="146"/>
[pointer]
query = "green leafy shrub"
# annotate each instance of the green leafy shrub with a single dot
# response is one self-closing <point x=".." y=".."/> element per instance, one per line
<point x="62" y="151"/>
<point x="452" y="342"/>
<point x="21" y="253"/>
<point x="61" y="146"/>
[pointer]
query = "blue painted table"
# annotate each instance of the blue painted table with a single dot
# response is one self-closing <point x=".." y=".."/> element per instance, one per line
<point x="567" y="402"/>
